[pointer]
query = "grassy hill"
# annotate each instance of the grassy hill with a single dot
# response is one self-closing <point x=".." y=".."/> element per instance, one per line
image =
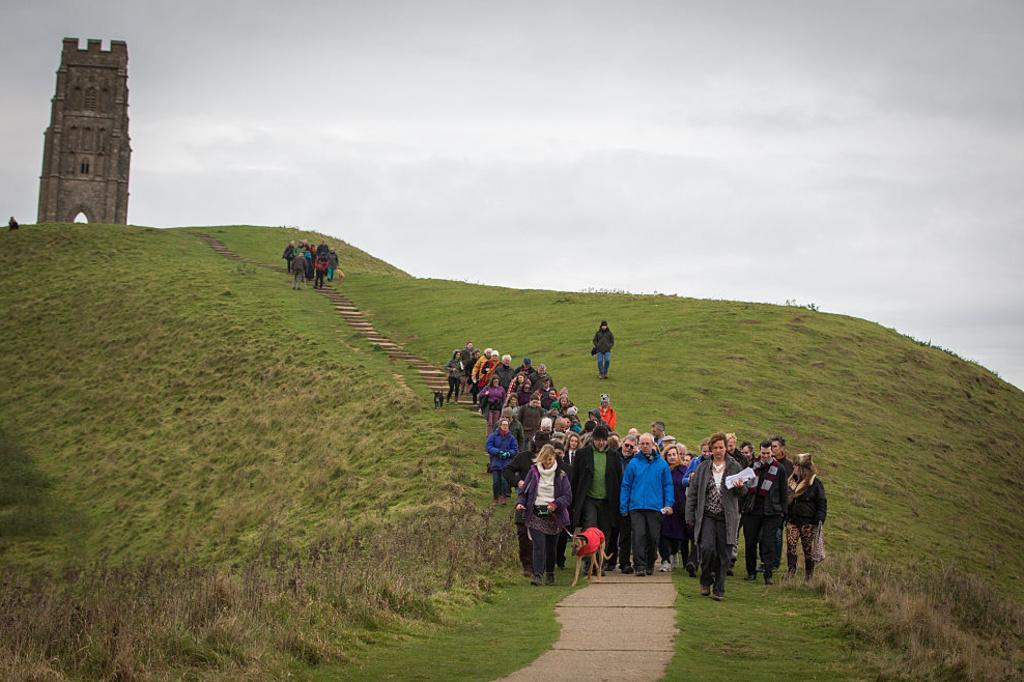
<point x="161" y="403"/>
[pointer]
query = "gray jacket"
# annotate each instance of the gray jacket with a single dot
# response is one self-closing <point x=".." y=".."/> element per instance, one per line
<point x="697" y="492"/>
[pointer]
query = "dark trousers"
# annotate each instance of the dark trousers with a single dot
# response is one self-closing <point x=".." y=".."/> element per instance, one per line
<point x="500" y="486"/>
<point x="454" y="386"/>
<point x="473" y="390"/>
<point x="563" y="541"/>
<point x="715" y="553"/>
<point x="525" y="547"/>
<point x="319" y="281"/>
<point x="759" y="533"/>
<point x="543" y="551"/>
<point x="778" y="547"/>
<point x="622" y="542"/>
<point x="668" y="546"/>
<point x="646" y="529"/>
<point x="595" y="515"/>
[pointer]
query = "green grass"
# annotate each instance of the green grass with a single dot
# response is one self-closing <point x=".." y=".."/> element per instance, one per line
<point x="759" y="632"/>
<point x="493" y="639"/>
<point x="162" y="401"/>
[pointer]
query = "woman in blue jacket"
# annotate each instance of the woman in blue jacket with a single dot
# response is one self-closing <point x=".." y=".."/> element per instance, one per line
<point x="501" y="447"/>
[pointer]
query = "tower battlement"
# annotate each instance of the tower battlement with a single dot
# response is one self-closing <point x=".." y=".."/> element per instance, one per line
<point x="86" y="149"/>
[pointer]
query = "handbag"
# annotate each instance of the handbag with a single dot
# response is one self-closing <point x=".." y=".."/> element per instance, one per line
<point x="818" y="545"/>
<point x="593" y="351"/>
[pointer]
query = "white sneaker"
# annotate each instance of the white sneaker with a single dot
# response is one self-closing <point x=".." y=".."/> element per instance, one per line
<point x="665" y="567"/>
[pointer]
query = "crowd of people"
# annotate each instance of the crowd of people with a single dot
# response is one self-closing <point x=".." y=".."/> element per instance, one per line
<point x="658" y="505"/>
<point x="311" y="264"/>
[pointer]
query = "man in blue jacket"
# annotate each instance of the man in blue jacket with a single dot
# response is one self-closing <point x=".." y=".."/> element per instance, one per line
<point x="501" y="447"/>
<point x="646" y="495"/>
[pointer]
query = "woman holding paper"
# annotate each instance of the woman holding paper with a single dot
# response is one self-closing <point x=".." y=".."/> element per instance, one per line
<point x="713" y="511"/>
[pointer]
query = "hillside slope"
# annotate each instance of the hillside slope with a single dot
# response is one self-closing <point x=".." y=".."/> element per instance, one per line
<point x="158" y="399"/>
<point x="914" y="443"/>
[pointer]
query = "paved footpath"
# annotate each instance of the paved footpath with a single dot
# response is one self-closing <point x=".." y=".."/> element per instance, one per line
<point x="620" y="629"/>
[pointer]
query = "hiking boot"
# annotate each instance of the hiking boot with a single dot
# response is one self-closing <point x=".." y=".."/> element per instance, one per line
<point x="751" y="577"/>
<point x="717" y="596"/>
<point x="549" y="579"/>
<point x="535" y="580"/>
<point x="627" y="570"/>
<point x="692" y="570"/>
<point x="666" y="567"/>
<point x="768" y="579"/>
<point x="609" y="566"/>
<point x="641" y="573"/>
<point x="705" y="590"/>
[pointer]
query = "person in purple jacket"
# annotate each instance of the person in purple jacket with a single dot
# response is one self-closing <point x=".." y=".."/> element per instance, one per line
<point x="501" y="447"/>
<point x="673" y="527"/>
<point x="545" y="498"/>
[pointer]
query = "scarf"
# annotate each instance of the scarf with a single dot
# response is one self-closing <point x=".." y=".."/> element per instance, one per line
<point x="769" y="477"/>
<point x="545" y="484"/>
<point x="799" y="487"/>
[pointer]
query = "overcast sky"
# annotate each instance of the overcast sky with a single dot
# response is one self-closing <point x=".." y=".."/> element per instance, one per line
<point x="864" y="156"/>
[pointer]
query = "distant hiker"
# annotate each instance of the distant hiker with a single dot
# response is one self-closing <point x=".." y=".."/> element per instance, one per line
<point x="322" y="249"/>
<point x="658" y="431"/>
<point x="545" y="498"/>
<point x="466" y="356"/>
<point x="646" y="496"/>
<point x="297" y="266"/>
<point x="12" y="224"/>
<point x="530" y="415"/>
<point x="713" y="511"/>
<point x="673" y="526"/>
<point x="470" y="368"/>
<point x="514" y="427"/>
<point x="765" y="505"/>
<point x="455" y="372"/>
<point x="289" y="254"/>
<point x="807" y="509"/>
<point x="603" y="342"/>
<point x="332" y="264"/>
<point x="525" y="368"/>
<point x="321" y="265"/>
<point x="501" y="447"/>
<point x="539" y="375"/>
<point x="504" y="371"/>
<point x="492" y="399"/>
<point x="307" y="257"/>
<point x="607" y="412"/>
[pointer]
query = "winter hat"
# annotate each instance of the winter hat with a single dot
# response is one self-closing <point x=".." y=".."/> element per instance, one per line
<point x="604" y="398"/>
<point x="571" y="411"/>
<point x="526" y="362"/>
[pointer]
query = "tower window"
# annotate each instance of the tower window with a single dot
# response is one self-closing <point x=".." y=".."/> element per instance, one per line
<point x="90" y="99"/>
<point x="84" y="167"/>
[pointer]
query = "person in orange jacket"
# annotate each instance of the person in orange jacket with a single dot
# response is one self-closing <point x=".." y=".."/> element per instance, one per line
<point x="607" y="412"/>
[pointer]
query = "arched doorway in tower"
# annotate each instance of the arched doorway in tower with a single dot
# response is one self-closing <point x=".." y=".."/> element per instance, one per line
<point x="81" y="217"/>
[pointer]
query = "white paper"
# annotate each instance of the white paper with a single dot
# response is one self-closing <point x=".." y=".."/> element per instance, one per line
<point x="746" y="476"/>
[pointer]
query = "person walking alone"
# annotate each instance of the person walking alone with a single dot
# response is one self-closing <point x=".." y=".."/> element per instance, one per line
<point x="603" y="342"/>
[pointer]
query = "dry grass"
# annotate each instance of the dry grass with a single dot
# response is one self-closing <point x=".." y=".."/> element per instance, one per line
<point x="939" y="623"/>
<point x="167" y="619"/>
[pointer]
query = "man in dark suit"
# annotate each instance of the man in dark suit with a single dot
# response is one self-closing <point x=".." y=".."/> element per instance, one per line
<point x="596" y="478"/>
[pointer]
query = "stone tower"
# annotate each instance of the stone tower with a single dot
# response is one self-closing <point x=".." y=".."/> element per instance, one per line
<point x="86" y="151"/>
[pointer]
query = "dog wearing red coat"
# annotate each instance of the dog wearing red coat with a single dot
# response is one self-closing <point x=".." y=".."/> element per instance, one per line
<point x="589" y="543"/>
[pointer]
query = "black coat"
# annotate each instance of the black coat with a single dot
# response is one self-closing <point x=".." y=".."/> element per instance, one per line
<point x="604" y="340"/>
<point x="775" y="503"/>
<point x="583" y="476"/>
<point x="811" y="507"/>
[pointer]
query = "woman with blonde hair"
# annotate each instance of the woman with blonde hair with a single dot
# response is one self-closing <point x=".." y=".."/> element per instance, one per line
<point x="808" y="507"/>
<point x="545" y="498"/>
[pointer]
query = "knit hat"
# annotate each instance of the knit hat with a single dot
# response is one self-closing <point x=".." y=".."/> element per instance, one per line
<point x="571" y="411"/>
<point x="604" y="398"/>
<point x="526" y="362"/>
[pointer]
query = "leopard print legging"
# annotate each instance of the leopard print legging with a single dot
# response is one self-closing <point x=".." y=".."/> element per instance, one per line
<point x="803" y="535"/>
